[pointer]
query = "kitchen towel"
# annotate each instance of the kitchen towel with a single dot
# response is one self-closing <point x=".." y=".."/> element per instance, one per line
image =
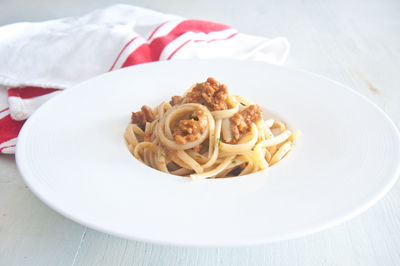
<point x="40" y="59"/>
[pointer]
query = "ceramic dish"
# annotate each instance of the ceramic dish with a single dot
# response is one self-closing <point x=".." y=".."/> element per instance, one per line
<point x="72" y="155"/>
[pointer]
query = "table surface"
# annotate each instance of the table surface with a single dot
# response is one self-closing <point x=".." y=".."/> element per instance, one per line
<point x="354" y="42"/>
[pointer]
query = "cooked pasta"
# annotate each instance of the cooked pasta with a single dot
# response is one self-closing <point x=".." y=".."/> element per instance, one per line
<point x="207" y="133"/>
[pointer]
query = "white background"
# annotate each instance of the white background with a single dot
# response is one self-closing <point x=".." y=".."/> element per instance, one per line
<point x="354" y="42"/>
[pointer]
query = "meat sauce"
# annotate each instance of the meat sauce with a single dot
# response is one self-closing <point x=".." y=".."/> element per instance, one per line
<point x="212" y="94"/>
<point x="241" y="122"/>
<point x="188" y="130"/>
<point x="141" y="117"/>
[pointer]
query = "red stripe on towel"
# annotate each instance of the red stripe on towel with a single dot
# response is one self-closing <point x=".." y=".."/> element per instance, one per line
<point x="213" y="40"/>
<point x="223" y="39"/>
<point x="123" y="49"/>
<point x="150" y="52"/>
<point x="29" y="92"/>
<point x="9" y="128"/>
<point x="155" y="30"/>
<point x="5" y="109"/>
<point x="177" y="49"/>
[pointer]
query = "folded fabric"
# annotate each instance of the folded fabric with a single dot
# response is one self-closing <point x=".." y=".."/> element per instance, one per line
<point x="40" y="59"/>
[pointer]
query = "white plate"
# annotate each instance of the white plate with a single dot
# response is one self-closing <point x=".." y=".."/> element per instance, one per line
<point x="72" y="155"/>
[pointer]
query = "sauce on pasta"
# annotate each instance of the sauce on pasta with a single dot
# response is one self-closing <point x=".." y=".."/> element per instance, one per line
<point x="207" y="133"/>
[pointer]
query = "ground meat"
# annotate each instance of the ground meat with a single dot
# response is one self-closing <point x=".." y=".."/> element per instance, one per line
<point x="241" y="122"/>
<point x="148" y="113"/>
<point x="175" y="100"/>
<point x="141" y="117"/>
<point x="188" y="131"/>
<point x="210" y="93"/>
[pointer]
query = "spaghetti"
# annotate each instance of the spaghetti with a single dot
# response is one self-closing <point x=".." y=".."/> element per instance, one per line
<point x="207" y="133"/>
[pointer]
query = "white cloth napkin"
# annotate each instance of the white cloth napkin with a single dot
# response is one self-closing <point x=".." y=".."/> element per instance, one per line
<point x="39" y="59"/>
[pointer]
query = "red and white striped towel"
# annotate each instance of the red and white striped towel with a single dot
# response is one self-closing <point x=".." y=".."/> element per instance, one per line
<point x="40" y="59"/>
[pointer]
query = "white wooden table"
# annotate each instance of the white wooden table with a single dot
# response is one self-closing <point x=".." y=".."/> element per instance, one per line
<point x="354" y="42"/>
